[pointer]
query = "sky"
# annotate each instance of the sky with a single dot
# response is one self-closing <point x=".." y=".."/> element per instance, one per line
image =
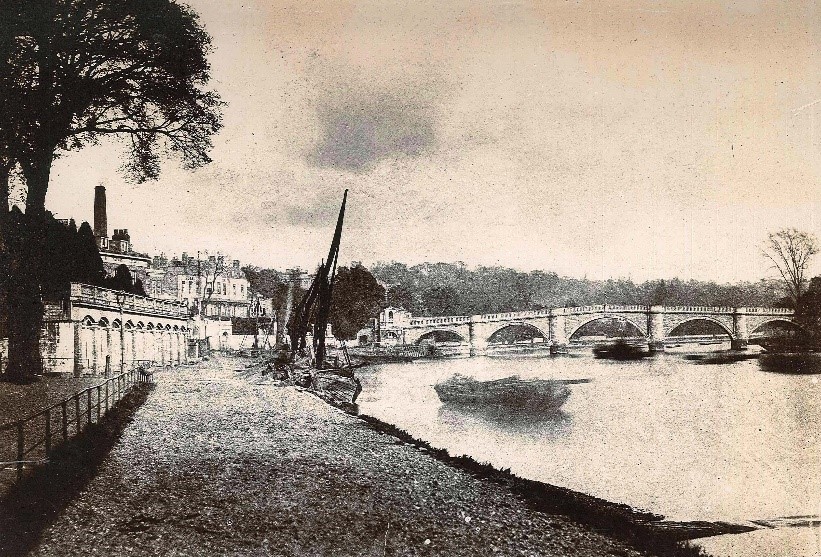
<point x="628" y="139"/>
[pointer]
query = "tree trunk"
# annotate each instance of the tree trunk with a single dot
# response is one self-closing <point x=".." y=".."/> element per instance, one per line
<point x="5" y="173"/>
<point x="25" y="305"/>
<point x="4" y="259"/>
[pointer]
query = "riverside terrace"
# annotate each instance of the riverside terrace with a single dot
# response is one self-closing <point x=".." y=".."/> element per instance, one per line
<point x="99" y="330"/>
<point x="557" y="325"/>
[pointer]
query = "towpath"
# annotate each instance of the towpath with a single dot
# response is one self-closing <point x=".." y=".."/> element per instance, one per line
<point x="218" y="463"/>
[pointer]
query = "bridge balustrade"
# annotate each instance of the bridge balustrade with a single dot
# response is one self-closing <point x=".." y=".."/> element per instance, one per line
<point x="738" y="322"/>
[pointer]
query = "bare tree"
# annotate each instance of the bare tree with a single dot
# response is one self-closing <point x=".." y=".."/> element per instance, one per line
<point x="790" y="252"/>
<point x="209" y="276"/>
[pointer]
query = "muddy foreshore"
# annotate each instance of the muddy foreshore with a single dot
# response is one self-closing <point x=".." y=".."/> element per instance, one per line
<point x="218" y="462"/>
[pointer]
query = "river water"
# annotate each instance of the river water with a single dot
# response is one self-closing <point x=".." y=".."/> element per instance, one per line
<point x="689" y="441"/>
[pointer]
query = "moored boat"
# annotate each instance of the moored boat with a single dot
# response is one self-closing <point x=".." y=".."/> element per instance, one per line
<point x="510" y="391"/>
<point x="620" y="350"/>
<point x="341" y="388"/>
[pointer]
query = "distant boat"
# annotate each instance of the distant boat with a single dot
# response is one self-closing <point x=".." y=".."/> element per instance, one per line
<point x="510" y="391"/>
<point x="721" y="357"/>
<point x="396" y="354"/>
<point x="620" y="350"/>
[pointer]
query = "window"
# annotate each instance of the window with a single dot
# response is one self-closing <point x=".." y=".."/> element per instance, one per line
<point x="235" y="291"/>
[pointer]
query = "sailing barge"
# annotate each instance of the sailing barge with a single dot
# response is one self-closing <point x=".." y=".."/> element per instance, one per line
<point x="329" y="378"/>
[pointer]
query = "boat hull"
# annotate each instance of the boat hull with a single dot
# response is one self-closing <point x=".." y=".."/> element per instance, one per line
<point x="338" y="388"/>
<point x="511" y="391"/>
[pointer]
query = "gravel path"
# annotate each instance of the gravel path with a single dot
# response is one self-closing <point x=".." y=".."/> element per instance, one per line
<point x="217" y="463"/>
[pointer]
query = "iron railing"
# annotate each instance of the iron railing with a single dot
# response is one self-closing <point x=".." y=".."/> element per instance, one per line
<point x="31" y="440"/>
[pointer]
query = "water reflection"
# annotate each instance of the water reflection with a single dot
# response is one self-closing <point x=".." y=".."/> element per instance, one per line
<point x="532" y="422"/>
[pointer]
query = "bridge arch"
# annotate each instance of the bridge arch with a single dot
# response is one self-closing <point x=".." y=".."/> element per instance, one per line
<point x="788" y="323"/>
<point x="441" y="335"/>
<point x="785" y="329"/>
<point x="103" y="322"/>
<point x="510" y="333"/>
<point x="697" y="318"/>
<point x="88" y="321"/>
<point x="586" y="320"/>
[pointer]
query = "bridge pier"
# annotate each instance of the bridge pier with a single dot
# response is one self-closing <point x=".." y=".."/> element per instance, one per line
<point x="478" y="345"/>
<point x="655" y="329"/>
<point x="741" y="334"/>
<point x="557" y="331"/>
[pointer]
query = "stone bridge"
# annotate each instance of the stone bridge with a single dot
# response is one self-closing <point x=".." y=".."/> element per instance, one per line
<point x="99" y="330"/>
<point x="557" y="325"/>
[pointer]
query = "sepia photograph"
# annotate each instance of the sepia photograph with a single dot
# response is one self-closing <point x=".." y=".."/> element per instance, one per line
<point x="506" y="278"/>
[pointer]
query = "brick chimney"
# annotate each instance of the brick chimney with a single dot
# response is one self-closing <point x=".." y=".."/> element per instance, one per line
<point x="100" y="219"/>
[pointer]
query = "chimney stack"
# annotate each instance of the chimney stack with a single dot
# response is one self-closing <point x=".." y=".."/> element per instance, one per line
<point x="100" y="220"/>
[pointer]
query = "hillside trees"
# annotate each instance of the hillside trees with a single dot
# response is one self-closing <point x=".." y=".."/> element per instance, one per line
<point x="419" y="289"/>
<point x="73" y="72"/>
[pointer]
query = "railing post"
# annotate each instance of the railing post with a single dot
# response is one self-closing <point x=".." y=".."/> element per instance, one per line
<point x="77" y="411"/>
<point x="65" y="420"/>
<point x="106" y="393"/>
<point x="89" y="406"/>
<point x="99" y="401"/>
<point x="48" y="432"/>
<point x="21" y="449"/>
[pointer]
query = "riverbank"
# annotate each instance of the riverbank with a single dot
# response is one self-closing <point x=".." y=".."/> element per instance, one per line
<point x="219" y="463"/>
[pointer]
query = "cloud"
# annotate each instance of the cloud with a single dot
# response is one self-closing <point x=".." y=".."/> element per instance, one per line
<point x="361" y="129"/>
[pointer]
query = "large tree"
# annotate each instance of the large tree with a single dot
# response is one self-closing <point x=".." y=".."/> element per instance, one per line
<point x="357" y="298"/>
<point x="790" y="251"/>
<point x="75" y="71"/>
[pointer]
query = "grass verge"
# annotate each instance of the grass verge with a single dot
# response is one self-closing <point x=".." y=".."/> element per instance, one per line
<point x="35" y="502"/>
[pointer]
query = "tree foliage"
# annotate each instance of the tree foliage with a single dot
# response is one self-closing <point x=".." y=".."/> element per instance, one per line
<point x="453" y="289"/>
<point x="790" y="252"/>
<point x="79" y="70"/>
<point x="73" y="72"/>
<point x="273" y="285"/>
<point x="357" y="297"/>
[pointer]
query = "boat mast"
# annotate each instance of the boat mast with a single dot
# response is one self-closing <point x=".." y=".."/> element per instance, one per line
<point x="317" y="300"/>
<point x="326" y="288"/>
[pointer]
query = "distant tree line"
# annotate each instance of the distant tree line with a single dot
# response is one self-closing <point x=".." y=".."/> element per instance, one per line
<point x="454" y="289"/>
